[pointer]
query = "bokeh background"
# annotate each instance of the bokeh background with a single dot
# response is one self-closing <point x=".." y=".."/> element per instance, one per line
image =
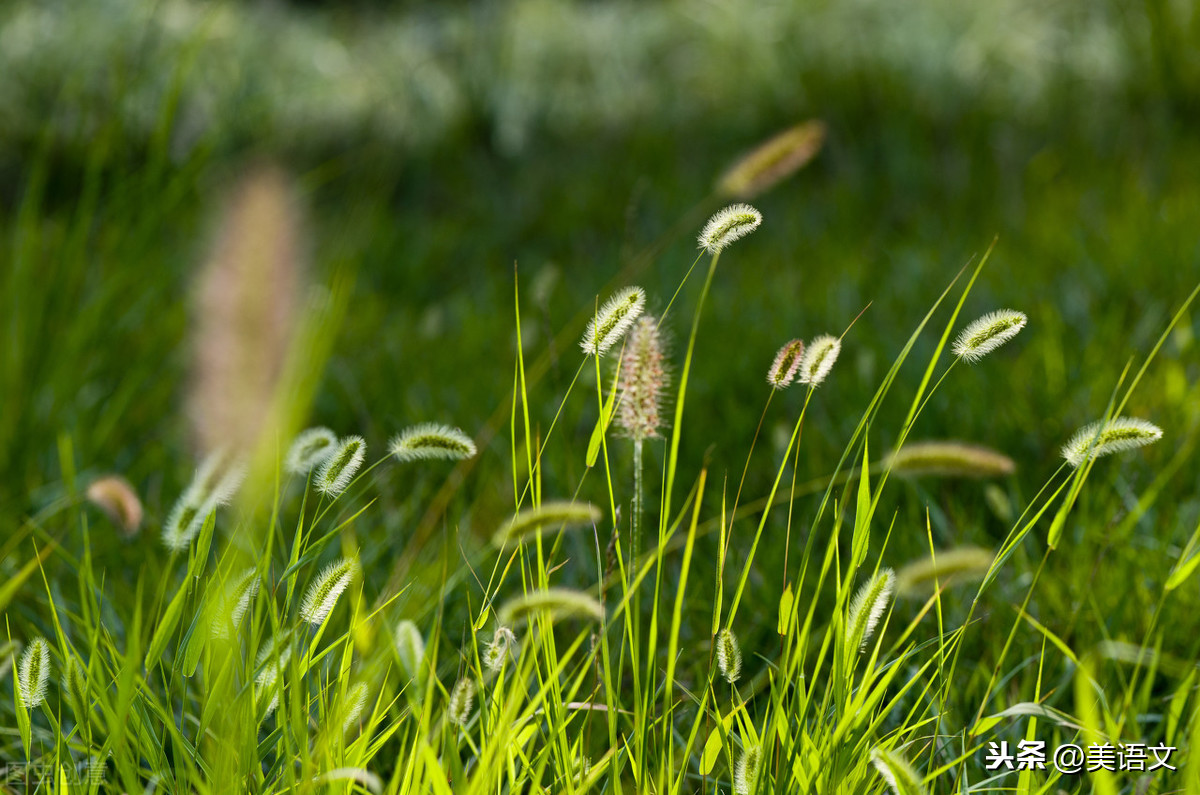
<point x="433" y="145"/>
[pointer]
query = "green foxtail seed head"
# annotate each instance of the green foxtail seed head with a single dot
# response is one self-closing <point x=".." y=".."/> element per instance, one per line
<point x="550" y="514"/>
<point x="867" y="608"/>
<point x="503" y="644"/>
<point x="74" y="684"/>
<point x="613" y="320"/>
<point x="818" y="359"/>
<point x="735" y="221"/>
<point x="341" y="466"/>
<point x="1102" y="438"/>
<point x="215" y="483"/>
<point x="950" y="460"/>
<point x="787" y="363"/>
<point x="410" y="648"/>
<point x="461" y="698"/>
<point x="271" y="659"/>
<point x="115" y="496"/>
<point x="430" y="440"/>
<point x="323" y="594"/>
<point x="729" y="655"/>
<point x="947" y="567"/>
<point x="642" y="376"/>
<point x="746" y="772"/>
<point x="311" y="448"/>
<point x="897" y="772"/>
<point x="558" y="603"/>
<point x="988" y="333"/>
<point x="353" y="704"/>
<point x="231" y="608"/>
<point x="773" y="161"/>
<point x="33" y="672"/>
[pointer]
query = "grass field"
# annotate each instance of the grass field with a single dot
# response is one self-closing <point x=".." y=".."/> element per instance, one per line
<point x="321" y="253"/>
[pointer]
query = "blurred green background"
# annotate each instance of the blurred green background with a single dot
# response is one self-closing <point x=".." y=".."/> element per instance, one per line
<point x="434" y="145"/>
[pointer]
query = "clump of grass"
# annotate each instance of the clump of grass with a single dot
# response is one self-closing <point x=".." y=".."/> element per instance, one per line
<point x="949" y="459"/>
<point x="728" y="225"/>
<point x="947" y="567"/>
<point x="613" y="320"/>
<point x="786" y="365"/>
<point x="431" y="440"/>
<point x="818" y="359"/>
<point x="33" y="672"/>
<point x="552" y="513"/>
<point x="335" y="474"/>
<point x="311" y="448"/>
<point x="1105" y="438"/>
<point x="988" y="333"/>
<point x="323" y="594"/>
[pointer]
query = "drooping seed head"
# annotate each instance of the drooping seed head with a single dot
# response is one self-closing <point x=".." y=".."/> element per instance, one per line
<point x="729" y="655"/>
<point x="867" y="608"/>
<point x="773" y="161"/>
<point x="271" y="659"/>
<point x="897" y="772"/>
<point x="431" y="440"/>
<point x="353" y="704"/>
<point x="558" y="603"/>
<point x="231" y="608"/>
<point x="503" y="644"/>
<point x="550" y="514"/>
<point x="818" y="358"/>
<point x="1104" y="438"/>
<point x="323" y="594"/>
<point x="310" y="448"/>
<point x="642" y="376"/>
<point x="215" y="483"/>
<point x="746" y="772"/>
<point x="341" y="466"/>
<point x="615" y="318"/>
<point x="734" y="222"/>
<point x="947" y="567"/>
<point x="410" y="648"/>
<point x="949" y="459"/>
<point x="787" y="363"/>
<point x="115" y="496"/>
<point x="988" y="333"/>
<point x="33" y="672"/>
<point x="458" y="710"/>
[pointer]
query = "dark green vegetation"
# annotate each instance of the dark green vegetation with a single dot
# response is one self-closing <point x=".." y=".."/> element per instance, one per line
<point x="1086" y="180"/>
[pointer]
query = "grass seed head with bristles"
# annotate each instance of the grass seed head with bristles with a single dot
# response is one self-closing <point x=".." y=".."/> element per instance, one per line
<point x="502" y="645"/>
<point x="947" y="567"/>
<point x="787" y="363"/>
<point x="897" y="772"/>
<point x="231" y="609"/>
<point x="642" y="376"/>
<point x="734" y="222"/>
<point x="615" y="317"/>
<point x="33" y="672"/>
<point x="729" y="655"/>
<point x="310" y="448"/>
<point x="410" y="648"/>
<point x="323" y="594"/>
<point x="867" y="608"/>
<point x="184" y="523"/>
<point x="74" y="684"/>
<point x="115" y="496"/>
<point x="353" y="703"/>
<point x="430" y="440"/>
<point x="746" y="772"/>
<point x="558" y="603"/>
<point x="773" y="161"/>
<point x="215" y="483"/>
<point x="272" y="657"/>
<point x="818" y="359"/>
<point x="988" y="333"/>
<point x="949" y="459"/>
<point x="341" y="466"/>
<point x="458" y="710"/>
<point x="1104" y="438"/>
<point x="553" y="513"/>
